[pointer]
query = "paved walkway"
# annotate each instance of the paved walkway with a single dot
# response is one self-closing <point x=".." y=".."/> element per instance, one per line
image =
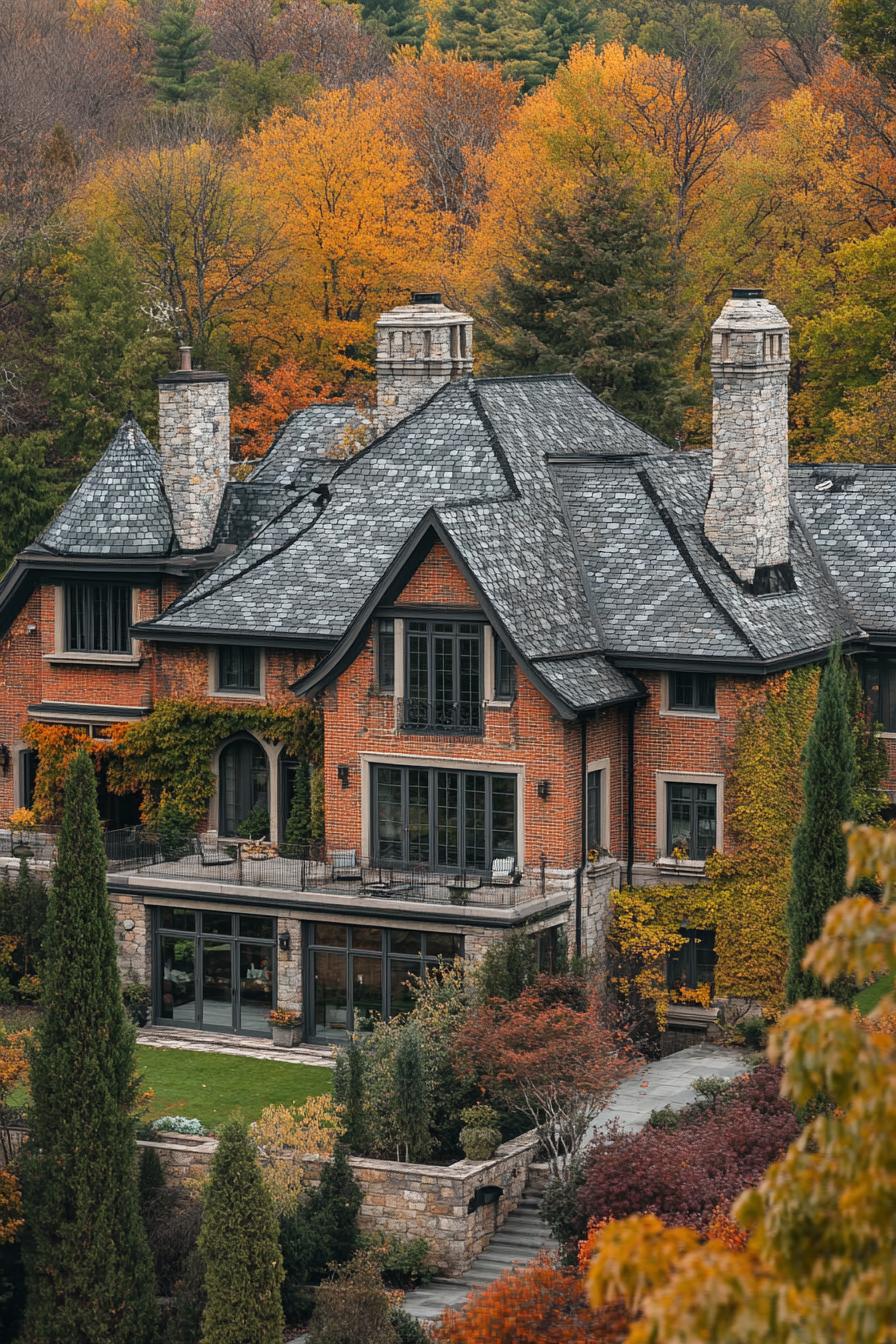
<point x="667" y="1082"/>
<point x="207" y="1043"/>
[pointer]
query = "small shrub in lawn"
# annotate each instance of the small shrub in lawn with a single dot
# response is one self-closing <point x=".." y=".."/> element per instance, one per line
<point x="683" y="1175"/>
<point x="404" y="1261"/>
<point x="179" y="1124"/>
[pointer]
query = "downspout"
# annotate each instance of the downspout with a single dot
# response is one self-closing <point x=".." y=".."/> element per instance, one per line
<point x="630" y="795"/>
<point x="583" y="738"/>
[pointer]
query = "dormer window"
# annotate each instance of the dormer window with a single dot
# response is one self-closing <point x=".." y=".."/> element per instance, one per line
<point x="97" y="618"/>
<point x="239" y="669"/>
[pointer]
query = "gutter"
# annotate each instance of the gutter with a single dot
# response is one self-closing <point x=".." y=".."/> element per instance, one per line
<point x="580" y="871"/>
<point x="630" y="796"/>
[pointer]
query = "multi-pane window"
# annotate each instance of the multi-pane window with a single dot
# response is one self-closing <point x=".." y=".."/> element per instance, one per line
<point x="505" y="672"/>
<point x="385" y="656"/>
<point x="446" y="819"/>
<point x="694" y="963"/>
<point x="593" y="810"/>
<point x="97" y="618"/>
<point x="243" y="789"/>
<point x="691" y="820"/>
<point x="879" y="681"/>
<point x="444" y="677"/>
<point x="239" y="668"/>
<point x="693" y="691"/>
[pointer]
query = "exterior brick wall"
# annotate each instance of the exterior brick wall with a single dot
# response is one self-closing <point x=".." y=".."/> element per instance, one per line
<point x="438" y="582"/>
<point x="21" y="669"/>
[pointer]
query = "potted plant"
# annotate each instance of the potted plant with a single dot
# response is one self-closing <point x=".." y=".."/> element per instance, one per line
<point x="285" y="1026"/>
<point x="22" y="820"/>
<point x="480" y="1135"/>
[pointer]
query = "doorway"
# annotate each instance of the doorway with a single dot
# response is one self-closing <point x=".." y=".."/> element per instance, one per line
<point x="213" y="970"/>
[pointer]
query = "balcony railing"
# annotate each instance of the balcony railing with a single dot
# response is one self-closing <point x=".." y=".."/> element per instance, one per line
<point x="441" y="716"/>
<point x="313" y="870"/>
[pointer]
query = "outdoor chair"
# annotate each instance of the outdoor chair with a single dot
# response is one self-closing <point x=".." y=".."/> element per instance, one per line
<point x="211" y="853"/>
<point x="505" y="872"/>
<point x="344" y="866"/>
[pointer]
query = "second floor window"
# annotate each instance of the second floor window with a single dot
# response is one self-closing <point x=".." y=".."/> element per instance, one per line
<point x="879" y="682"/>
<point x="692" y="692"/>
<point x="505" y="672"/>
<point x="691" y="820"/>
<point x="385" y="656"/>
<point x="444" y="677"/>
<point x="97" y="618"/>
<point x="239" y="668"/>
<point x="593" y="810"/>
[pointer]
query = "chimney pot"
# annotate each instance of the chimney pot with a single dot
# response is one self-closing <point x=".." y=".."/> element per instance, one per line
<point x="420" y="346"/>
<point x="186" y="358"/>
<point x="748" y="293"/>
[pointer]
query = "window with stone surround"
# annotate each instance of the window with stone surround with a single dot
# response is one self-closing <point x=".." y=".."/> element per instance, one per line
<point x="690" y="820"/>
<point x="692" y="692"/>
<point x="385" y="656"/>
<point x="97" y="618"/>
<point x="505" y="672"/>
<point x="239" y="669"/>
<point x="451" y="820"/>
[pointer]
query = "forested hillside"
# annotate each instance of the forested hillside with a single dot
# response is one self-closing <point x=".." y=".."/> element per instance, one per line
<point x="260" y="178"/>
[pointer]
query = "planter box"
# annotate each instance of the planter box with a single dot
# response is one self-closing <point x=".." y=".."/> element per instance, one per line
<point x="284" y="1037"/>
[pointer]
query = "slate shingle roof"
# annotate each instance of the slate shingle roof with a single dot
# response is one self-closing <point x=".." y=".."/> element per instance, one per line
<point x="307" y="436"/>
<point x="120" y="508"/>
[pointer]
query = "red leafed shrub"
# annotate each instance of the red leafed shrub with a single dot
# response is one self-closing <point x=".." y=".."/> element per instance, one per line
<point x="686" y="1175"/>
<point x="537" y="1303"/>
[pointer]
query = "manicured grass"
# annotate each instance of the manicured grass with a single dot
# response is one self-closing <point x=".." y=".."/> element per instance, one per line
<point x="213" y="1087"/>
<point x="868" y="998"/>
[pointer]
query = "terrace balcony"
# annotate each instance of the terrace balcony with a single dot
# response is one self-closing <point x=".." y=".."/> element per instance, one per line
<point x="463" y="718"/>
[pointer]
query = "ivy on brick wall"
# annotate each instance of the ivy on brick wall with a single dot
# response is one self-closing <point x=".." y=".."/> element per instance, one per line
<point x="745" y="892"/>
<point x="168" y="755"/>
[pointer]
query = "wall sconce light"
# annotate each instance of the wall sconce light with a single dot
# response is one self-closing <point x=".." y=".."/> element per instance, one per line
<point x="544" y="788"/>
<point x="283" y="942"/>
<point x="127" y="924"/>
<point x="342" y="775"/>
<point x="4" y="758"/>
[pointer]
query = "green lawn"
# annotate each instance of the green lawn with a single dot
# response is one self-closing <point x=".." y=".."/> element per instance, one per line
<point x="868" y="998"/>
<point x="213" y="1087"/>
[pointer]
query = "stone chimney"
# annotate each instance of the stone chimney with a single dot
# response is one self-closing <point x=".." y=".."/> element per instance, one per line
<point x="747" y="512"/>
<point x="194" y="443"/>
<point x="419" y="347"/>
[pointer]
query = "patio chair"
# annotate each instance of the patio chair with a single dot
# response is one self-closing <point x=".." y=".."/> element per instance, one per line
<point x="344" y="866"/>
<point x="211" y="853"/>
<point x="505" y="872"/>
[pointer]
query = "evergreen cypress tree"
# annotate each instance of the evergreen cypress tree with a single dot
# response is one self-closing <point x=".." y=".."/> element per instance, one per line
<point x="403" y="21"/>
<point x="180" y="45"/>
<point x="593" y="293"/>
<point x="298" y="824"/>
<point x="88" y="1270"/>
<point x="320" y="1231"/>
<point x="410" y="1100"/>
<point x="239" y="1243"/>
<point x="819" y="849"/>
<point x="348" y="1092"/>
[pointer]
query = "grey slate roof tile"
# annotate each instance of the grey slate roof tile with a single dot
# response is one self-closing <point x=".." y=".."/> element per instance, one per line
<point x="306" y="436"/>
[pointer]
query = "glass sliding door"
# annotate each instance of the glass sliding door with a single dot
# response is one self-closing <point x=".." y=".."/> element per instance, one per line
<point x="443" y="819"/>
<point x="176" y="974"/>
<point x="330" y="995"/>
<point x="217" y="985"/>
<point x="256" y="987"/>
<point x="214" y="970"/>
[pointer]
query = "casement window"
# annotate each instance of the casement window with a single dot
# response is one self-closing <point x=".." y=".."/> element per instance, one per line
<point x="385" y="656"/>
<point x="97" y="618"/>
<point x="243" y="787"/>
<point x="692" y="692"/>
<point x="443" y="819"/>
<point x="27" y="776"/>
<point x="444" y="689"/>
<point x="239" y="669"/>
<point x="593" y="805"/>
<point x="879" y="681"/>
<point x="505" y="672"/>
<point x="691" y="820"/>
<point x="694" y="963"/>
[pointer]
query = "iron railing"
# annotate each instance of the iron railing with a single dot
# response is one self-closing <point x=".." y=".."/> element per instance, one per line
<point x="463" y="717"/>
<point x="314" y="869"/>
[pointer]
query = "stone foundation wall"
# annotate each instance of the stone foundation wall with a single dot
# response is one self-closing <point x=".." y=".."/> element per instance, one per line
<point x="132" y="944"/>
<point x="403" y="1199"/>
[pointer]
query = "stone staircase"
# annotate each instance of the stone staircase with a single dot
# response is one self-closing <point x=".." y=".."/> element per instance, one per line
<point x="519" y="1239"/>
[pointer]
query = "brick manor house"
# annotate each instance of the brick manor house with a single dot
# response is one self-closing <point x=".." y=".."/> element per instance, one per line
<point x="524" y="620"/>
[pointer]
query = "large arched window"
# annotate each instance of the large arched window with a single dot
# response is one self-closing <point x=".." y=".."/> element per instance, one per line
<point x="243" y="790"/>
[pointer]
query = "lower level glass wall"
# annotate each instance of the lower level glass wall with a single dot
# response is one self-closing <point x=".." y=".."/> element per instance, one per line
<point x="214" y="970"/>
<point x="356" y="973"/>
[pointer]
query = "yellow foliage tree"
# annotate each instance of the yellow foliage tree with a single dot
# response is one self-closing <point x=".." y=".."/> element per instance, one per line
<point x="818" y="1265"/>
<point x="358" y="229"/>
<point x="284" y="1134"/>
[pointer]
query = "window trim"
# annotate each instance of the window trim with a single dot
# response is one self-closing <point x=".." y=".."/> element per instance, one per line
<point x="681" y="712"/>
<point x="272" y="753"/>
<point x="61" y="654"/>
<point x="431" y="862"/>
<point x="664" y="777"/>
<point x="456" y="635"/>
<point x="214" y="673"/>
<point x="601" y="767"/>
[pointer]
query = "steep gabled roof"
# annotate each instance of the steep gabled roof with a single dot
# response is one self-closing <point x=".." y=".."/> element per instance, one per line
<point x="293" y="459"/>
<point x="120" y="508"/>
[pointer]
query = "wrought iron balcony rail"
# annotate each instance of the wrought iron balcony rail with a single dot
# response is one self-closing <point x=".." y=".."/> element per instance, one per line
<point x="315" y="870"/>
<point x="464" y="717"/>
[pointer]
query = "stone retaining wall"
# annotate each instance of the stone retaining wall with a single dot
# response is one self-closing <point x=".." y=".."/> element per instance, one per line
<point x="404" y="1199"/>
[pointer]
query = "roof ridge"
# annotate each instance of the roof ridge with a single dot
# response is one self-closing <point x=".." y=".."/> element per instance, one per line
<point x="587" y="588"/>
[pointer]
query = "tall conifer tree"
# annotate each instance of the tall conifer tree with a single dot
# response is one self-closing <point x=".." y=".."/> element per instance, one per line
<point x="403" y="21"/>
<point x="180" y="45"/>
<point x="819" y="849"/>
<point x="88" y="1271"/>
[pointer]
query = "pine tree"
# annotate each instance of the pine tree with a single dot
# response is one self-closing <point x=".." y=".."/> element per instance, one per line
<point x="88" y="1270"/>
<point x="239" y="1243"/>
<point x="180" y="45"/>
<point x="593" y="293"/>
<point x="30" y="491"/>
<point x="403" y="21"/>
<point x="320" y="1231"/>
<point x="348" y="1092"/>
<point x="298" y="824"/>
<point x="411" y="1104"/>
<point x="106" y="355"/>
<point x="819" y="850"/>
<point x="478" y="29"/>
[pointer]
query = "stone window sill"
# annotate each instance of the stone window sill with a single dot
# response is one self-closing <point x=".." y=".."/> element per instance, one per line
<point x="681" y="865"/>
<point x="236" y="695"/>
<point x="95" y="659"/>
<point x="688" y="714"/>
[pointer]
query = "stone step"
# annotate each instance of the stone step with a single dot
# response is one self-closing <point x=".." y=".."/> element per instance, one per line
<point x="515" y="1237"/>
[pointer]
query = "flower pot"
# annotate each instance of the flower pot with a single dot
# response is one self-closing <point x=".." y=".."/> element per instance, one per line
<point x="283" y="1035"/>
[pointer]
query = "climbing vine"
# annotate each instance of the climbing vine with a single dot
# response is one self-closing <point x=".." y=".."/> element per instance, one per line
<point x="168" y="755"/>
<point x="745" y="892"/>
